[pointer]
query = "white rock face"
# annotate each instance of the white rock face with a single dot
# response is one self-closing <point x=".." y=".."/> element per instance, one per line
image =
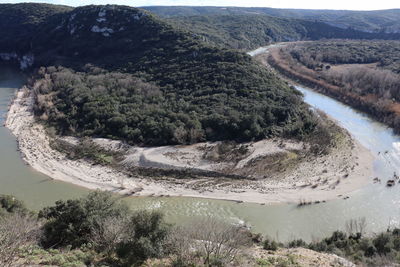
<point x="24" y="62"/>
<point x="136" y="17"/>
<point x="102" y="13"/>
<point x="8" y="56"/>
<point x="104" y="31"/>
<point x="72" y="17"/>
<point x="72" y="31"/>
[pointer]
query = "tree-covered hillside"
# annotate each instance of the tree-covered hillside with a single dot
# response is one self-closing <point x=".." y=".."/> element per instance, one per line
<point x="149" y="83"/>
<point x="385" y="54"/>
<point x="20" y="22"/>
<point x="368" y="21"/>
<point x="246" y="32"/>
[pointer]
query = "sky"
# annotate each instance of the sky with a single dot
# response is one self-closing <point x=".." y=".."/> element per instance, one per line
<point x="304" y="4"/>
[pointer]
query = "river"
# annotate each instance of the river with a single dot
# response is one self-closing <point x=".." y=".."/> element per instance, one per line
<point x="376" y="202"/>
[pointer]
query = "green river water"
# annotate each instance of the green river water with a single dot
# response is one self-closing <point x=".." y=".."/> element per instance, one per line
<point x="380" y="205"/>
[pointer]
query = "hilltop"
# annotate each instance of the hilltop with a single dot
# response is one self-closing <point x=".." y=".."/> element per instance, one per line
<point x="128" y="75"/>
<point x="20" y="22"/>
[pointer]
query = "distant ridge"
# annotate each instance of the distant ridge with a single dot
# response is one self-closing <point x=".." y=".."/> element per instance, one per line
<point x="369" y="21"/>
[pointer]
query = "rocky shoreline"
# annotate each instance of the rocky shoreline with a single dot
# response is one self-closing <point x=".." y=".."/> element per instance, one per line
<point x="318" y="180"/>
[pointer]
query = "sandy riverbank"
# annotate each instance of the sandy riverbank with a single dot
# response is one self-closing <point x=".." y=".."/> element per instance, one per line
<point x="337" y="174"/>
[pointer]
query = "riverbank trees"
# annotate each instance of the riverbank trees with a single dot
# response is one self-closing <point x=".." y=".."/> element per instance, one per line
<point x="359" y="73"/>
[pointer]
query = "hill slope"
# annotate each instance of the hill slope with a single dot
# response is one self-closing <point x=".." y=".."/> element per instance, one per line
<point x="157" y="85"/>
<point x="250" y="31"/>
<point x="19" y="22"/>
<point x="368" y="21"/>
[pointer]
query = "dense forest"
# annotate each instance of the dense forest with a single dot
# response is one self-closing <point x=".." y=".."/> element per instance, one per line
<point x="123" y="73"/>
<point x="244" y="31"/>
<point x="54" y="34"/>
<point x="20" y="22"/>
<point x="386" y="54"/>
<point x="122" y="106"/>
<point x="367" y="21"/>
<point x="131" y="76"/>
<point x="359" y="73"/>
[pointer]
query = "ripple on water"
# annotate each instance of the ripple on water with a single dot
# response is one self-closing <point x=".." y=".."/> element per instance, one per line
<point x="377" y="203"/>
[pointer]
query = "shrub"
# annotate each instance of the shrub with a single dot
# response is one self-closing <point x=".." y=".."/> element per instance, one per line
<point x="9" y="204"/>
<point x="382" y="243"/>
<point x="208" y="240"/>
<point x="270" y="245"/>
<point x="17" y="231"/>
<point x="146" y="236"/>
<point x="297" y="243"/>
<point x="71" y="222"/>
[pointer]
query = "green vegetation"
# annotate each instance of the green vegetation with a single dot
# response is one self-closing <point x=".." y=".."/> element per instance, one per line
<point x="88" y="150"/>
<point x="72" y="222"/>
<point x="373" y="250"/>
<point x="363" y="74"/>
<point x="22" y="20"/>
<point x="381" y="249"/>
<point x="270" y="245"/>
<point x="241" y="31"/>
<point x="242" y="102"/>
<point x="386" y="54"/>
<point x="161" y="87"/>
<point x="368" y="21"/>
<point x="9" y="204"/>
<point x="100" y="230"/>
<point x="107" y="224"/>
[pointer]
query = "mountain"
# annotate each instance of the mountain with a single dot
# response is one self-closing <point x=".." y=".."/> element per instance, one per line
<point x="122" y="73"/>
<point x="369" y="21"/>
<point x="251" y="31"/>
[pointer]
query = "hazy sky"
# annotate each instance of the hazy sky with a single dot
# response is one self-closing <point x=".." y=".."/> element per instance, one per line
<point x="308" y="4"/>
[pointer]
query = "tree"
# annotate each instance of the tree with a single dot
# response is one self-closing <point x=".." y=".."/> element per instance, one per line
<point x="216" y="240"/>
<point x="16" y="231"/>
<point x="146" y="237"/>
<point x="71" y="222"/>
<point x="382" y="243"/>
<point x="108" y="234"/>
<point x="356" y="227"/>
<point x="10" y="204"/>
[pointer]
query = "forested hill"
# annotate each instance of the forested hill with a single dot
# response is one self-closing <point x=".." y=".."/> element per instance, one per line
<point x="20" y="22"/>
<point x="368" y="21"/>
<point x="244" y="31"/>
<point x="149" y="83"/>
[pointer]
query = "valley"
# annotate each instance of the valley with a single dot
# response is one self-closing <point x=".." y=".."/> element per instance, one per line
<point x="139" y="137"/>
<point x="361" y="74"/>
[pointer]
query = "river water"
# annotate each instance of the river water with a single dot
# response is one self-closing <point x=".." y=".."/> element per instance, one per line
<point x="380" y="205"/>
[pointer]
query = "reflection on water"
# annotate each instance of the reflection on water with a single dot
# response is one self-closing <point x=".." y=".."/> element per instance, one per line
<point x="380" y="205"/>
<point x="376" y="202"/>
